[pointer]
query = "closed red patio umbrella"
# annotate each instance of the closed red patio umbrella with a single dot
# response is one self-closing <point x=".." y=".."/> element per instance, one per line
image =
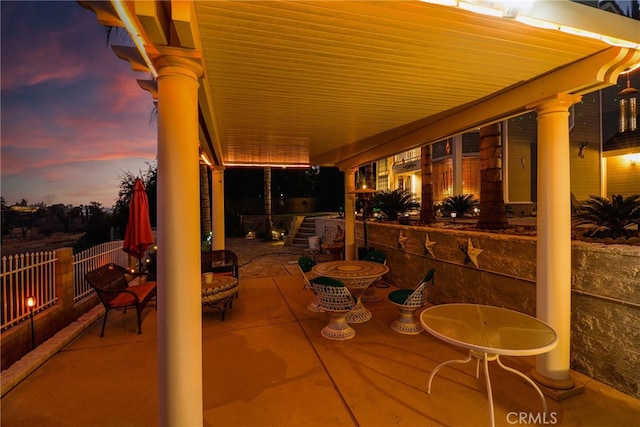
<point x="138" y="235"/>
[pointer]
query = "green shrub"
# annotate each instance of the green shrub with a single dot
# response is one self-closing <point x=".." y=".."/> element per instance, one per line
<point x="460" y="204"/>
<point x="610" y="218"/>
<point x="395" y="202"/>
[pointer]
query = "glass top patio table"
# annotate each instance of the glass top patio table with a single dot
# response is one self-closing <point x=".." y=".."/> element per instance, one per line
<point x="488" y="332"/>
<point x="493" y="330"/>
<point x="356" y="276"/>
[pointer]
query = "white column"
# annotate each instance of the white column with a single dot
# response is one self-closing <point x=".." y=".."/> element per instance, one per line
<point x="553" y="291"/>
<point x="179" y="294"/>
<point x="350" y="215"/>
<point x="217" y="208"/>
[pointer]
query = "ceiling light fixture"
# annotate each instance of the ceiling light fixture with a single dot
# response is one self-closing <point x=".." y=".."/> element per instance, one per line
<point x="481" y="9"/>
<point x="538" y="23"/>
<point x="268" y="165"/>
<point x="520" y="11"/>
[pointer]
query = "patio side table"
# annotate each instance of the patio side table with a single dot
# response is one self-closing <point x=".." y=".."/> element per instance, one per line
<point x="489" y="332"/>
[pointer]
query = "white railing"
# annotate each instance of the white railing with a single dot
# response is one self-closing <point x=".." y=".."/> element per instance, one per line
<point x="33" y="275"/>
<point x="92" y="258"/>
<point x="23" y="276"/>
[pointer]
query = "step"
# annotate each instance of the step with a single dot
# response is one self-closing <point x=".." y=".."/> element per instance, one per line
<point x="305" y="234"/>
<point x="301" y="239"/>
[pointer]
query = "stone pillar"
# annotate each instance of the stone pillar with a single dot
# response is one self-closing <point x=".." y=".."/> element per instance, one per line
<point x="64" y="278"/>
<point x="493" y="212"/>
<point x="456" y="143"/>
<point x="427" y="210"/>
<point x="205" y="202"/>
<point x="350" y="215"/>
<point x="268" y="218"/>
<point x="179" y="292"/>
<point x="553" y="250"/>
<point x="217" y="211"/>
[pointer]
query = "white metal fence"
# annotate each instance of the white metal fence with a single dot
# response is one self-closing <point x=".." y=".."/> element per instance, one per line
<point x="27" y="275"/>
<point x="33" y="275"/>
<point x="92" y="258"/>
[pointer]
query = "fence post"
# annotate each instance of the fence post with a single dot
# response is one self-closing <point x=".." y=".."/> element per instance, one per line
<point x="65" y="284"/>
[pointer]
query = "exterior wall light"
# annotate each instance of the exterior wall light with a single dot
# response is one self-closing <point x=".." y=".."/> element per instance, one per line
<point x="633" y="159"/>
<point x="628" y="108"/>
<point x="31" y="303"/>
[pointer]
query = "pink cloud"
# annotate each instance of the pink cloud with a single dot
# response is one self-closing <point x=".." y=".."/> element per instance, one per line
<point x="73" y="115"/>
<point x="39" y="57"/>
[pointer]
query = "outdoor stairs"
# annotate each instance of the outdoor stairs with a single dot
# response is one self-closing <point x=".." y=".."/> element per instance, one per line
<point x="306" y="230"/>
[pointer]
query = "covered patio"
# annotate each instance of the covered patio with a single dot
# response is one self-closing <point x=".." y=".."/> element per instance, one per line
<point x="267" y="364"/>
<point x="344" y="83"/>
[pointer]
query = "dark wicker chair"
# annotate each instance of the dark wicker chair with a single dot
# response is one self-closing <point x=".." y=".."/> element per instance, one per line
<point x="223" y="262"/>
<point x="305" y="264"/>
<point x="113" y="289"/>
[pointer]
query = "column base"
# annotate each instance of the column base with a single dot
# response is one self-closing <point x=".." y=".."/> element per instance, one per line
<point x="557" y="390"/>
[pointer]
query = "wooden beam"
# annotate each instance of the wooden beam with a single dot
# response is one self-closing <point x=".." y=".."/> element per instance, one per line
<point x="154" y="21"/>
<point x="183" y="17"/>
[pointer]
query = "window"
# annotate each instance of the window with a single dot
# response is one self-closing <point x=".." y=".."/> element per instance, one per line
<point x="442" y="179"/>
<point x="471" y="176"/>
<point x="382" y="183"/>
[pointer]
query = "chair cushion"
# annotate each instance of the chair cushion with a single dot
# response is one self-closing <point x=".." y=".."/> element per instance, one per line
<point x="125" y="299"/>
<point x="327" y="281"/>
<point x="400" y="296"/>
<point x="222" y="273"/>
<point x="376" y="256"/>
<point x="306" y="263"/>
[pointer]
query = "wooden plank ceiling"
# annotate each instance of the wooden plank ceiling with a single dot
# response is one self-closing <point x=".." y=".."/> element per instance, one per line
<point x="340" y="82"/>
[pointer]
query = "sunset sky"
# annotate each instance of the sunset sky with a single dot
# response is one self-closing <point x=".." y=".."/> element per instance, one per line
<point x="73" y="117"/>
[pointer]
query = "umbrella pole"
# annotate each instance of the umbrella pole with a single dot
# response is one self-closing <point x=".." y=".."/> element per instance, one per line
<point x="140" y="263"/>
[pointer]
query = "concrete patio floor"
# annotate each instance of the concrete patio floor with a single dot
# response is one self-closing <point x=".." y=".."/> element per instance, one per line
<point x="267" y="365"/>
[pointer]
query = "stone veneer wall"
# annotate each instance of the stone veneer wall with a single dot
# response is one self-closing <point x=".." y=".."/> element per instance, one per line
<point x="605" y="341"/>
<point x="605" y="281"/>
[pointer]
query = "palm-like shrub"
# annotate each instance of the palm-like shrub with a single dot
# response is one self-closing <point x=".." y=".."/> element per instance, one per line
<point x="394" y="202"/>
<point x="611" y="218"/>
<point x="460" y="204"/>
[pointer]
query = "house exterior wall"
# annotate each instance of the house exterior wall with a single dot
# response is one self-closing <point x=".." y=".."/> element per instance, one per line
<point x="605" y="331"/>
<point x="623" y="177"/>
<point x="585" y="159"/>
<point x="520" y="160"/>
